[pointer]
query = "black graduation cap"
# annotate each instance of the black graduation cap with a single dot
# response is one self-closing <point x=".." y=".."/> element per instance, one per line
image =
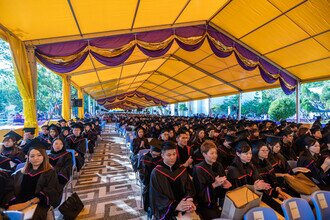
<point x="230" y="138"/>
<point x="155" y="145"/>
<point x="88" y="124"/>
<point x="272" y="140"/>
<point x="14" y="135"/>
<point x="284" y="132"/>
<point x="35" y="143"/>
<point x="77" y="118"/>
<point x="265" y="133"/>
<point x="242" y="134"/>
<point x="315" y="128"/>
<point x="54" y="127"/>
<point x="62" y="120"/>
<point x="45" y="126"/>
<point x="240" y="144"/>
<point x="283" y="122"/>
<point x="256" y="145"/>
<point x="65" y="128"/>
<point x="31" y="130"/>
<point x="77" y="125"/>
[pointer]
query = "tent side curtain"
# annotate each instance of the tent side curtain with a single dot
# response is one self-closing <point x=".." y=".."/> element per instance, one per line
<point x="113" y="100"/>
<point x="25" y="78"/>
<point x="115" y="50"/>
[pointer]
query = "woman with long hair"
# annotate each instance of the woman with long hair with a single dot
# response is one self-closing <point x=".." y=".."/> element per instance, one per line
<point x="35" y="183"/>
<point x="61" y="160"/>
<point x="11" y="154"/>
<point x="311" y="159"/>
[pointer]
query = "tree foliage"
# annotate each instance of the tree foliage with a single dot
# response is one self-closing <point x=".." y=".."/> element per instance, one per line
<point x="222" y="109"/>
<point x="282" y="109"/>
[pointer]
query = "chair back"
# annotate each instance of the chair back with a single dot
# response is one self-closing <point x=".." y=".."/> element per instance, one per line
<point x="260" y="213"/>
<point x="321" y="201"/>
<point x="14" y="215"/>
<point x="297" y="208"/>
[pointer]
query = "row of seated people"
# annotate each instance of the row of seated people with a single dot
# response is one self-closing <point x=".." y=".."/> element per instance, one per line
<point x="222" y="157"/>
<point x="43" y="177"/>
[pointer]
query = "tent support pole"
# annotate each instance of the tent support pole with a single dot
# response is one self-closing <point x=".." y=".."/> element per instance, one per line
<point x="298" y="102"/>
<point x="239" y="116"/>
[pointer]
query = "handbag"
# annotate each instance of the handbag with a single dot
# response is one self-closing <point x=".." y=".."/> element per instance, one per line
<point x="71" y="208"/>
<point x="301" y="184"/>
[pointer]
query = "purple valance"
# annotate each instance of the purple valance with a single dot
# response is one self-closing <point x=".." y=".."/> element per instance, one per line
<point x="115" y="50"/>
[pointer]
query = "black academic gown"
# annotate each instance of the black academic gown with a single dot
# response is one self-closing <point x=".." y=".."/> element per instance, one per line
<point x="137" y="143"/>
<point x="79" y="145"/>
<point x="4" y="179"/>
<point x="288" y="152"/>
<point x="15" y="154"/>
<point x="35" y="183"/>
<point x="146" y="165"/>
<point x="62" y="163"/>
<point x="43" y="137"/>
<point x="266" y="171"/>
<point x="168" y="186"/>
<point x="5" y="163"/>
<point x="91" y="137"/>
<point x="321" y="178"/>
<point x="226" y="156"/>
<point x="240" y="174"/>
<point x="197" y="157"/>
<point x="209" y="199"/>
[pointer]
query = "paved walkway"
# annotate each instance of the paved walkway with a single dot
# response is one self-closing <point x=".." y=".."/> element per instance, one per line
<point x="107" y="184"/>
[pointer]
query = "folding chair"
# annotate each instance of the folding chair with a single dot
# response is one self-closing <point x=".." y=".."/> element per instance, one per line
<point x="297" y="208"/>
<point x="321" y="201"/>
<point x="260" y="213"/>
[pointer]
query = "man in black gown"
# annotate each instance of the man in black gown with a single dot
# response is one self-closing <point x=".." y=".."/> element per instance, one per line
<point x="171" y="189"/>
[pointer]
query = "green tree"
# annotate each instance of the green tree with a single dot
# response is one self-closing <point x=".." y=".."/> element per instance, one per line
<point x="222" y="109"/>
<point x="282" y="109"/>
<point x="49" y="92"/>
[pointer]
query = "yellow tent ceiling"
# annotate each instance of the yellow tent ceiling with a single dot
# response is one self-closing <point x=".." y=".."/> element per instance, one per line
<point x="294" y="35"/>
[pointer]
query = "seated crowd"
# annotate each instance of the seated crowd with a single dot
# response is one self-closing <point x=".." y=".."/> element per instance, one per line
<point x="47" y="166"/>
<point x="193" y="162"/>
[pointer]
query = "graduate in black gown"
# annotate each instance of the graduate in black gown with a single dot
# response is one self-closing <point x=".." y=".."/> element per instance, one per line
<point x="36" y="183"/>
<point x="61" y="160"/>
<point x="184" y="152"/>
<point x="44" y="135"/>
<point x="139" y="143"/>
<point x="287" y="148"/>
<point x="226" y="153"/>
<point x="266" y="171"/>
<point x="171" y="189"/>
<point x="210" y="182"/>
<point x="91" y="137"/>
<point x="10" y="151"/>
<point x="242" y="171"/>
<point x="65" y="132"/>
<point x="77" y="142"/>
<point x="147" y="163"/>
<point x="53" y="133"/>
<point x="320" y="167"/>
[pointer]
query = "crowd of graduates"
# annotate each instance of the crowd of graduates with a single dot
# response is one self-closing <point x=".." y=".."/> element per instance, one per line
<point x="193" y="162"/>
<point x="46" y="164"/>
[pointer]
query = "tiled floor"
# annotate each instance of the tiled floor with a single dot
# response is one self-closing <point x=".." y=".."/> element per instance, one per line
<point x="107" y="184"/>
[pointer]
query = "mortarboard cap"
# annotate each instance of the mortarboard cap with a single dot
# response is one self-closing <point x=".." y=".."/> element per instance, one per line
<point x="31" y="130"/>
<point x="242" y="135"/>
<point x="35" y="143"/>
<point x="155" y="145"/>
<point x="285" y="132"/>
<point x="256" y="145"/>
<point x="77" y="125"/>
<point x="272" y="140"/>
<point x="62" y="120"/>
<point x="13" y="135"/>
